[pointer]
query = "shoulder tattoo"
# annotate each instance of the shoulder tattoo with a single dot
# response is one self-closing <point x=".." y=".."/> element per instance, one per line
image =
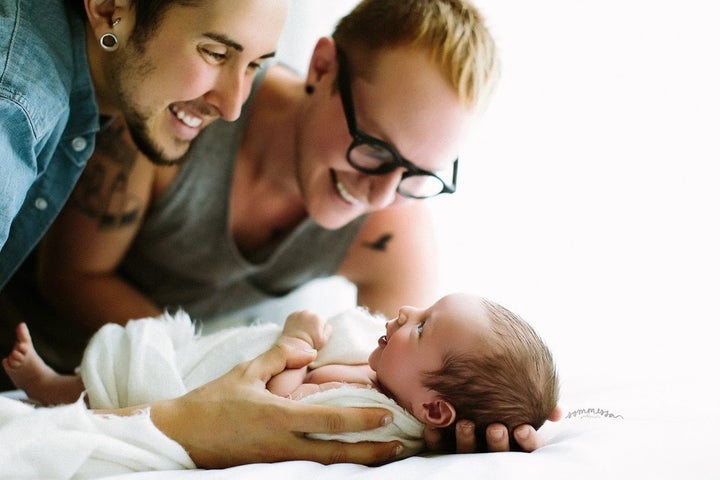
<point x="381" y="243"/>
<point x="102" y="191"/>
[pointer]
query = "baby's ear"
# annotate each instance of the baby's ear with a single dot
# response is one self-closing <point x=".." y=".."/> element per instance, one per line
<point x="438" y="413"/>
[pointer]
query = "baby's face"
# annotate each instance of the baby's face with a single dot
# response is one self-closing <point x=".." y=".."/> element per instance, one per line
<point x="417" y="341"/>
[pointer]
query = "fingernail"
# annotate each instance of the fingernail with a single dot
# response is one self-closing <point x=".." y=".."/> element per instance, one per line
<point x="466" y="427"/>
<point x="386" y="420"/>
<point x="497" y="433"/>
<point x="522" y="432"/>
<point x="398" y="450"/>
<point x="309" y="350"/>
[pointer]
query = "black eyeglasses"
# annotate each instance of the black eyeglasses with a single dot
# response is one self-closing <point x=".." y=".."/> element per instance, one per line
<point x="373" y="156"/>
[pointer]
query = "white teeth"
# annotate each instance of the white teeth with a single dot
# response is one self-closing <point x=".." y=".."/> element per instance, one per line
<point x="346" y="195"/>
<point x="189" y="120"/>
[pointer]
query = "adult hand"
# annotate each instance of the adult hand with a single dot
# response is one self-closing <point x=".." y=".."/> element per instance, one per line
<point x="234" y="420"/>
<point x="496" y="436"/>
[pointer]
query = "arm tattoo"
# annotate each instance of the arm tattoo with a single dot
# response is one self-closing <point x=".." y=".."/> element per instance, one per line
<point x="101" y="192"/>
<point x="380" y="244"/>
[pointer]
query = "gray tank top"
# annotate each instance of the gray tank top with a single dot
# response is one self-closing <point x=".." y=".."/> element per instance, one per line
<point x="184" y="254"/>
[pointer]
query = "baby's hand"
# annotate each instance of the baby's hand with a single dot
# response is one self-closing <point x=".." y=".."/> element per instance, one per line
<point x="309" y="327"/>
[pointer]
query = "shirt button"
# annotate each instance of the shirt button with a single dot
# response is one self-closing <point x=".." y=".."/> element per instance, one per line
<point x="79" y="144"/>
<point x="41" y="203"/>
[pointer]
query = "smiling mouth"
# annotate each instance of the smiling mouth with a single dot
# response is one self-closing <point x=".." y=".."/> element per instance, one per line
<point x="192" y="121"/>
<point x="343" y="191"/>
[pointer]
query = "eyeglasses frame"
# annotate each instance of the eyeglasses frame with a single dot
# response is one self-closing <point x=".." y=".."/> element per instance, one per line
<point x="362" y="138"/>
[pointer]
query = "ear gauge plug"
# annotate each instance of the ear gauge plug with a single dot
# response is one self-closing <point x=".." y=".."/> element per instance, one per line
<point x="309" y="89"/>
<point x="109" y="41"/>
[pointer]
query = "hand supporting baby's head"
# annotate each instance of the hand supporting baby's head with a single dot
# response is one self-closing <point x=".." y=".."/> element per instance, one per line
<point x="509" y="378"/>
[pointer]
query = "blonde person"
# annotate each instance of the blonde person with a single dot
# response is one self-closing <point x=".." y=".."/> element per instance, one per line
<point x="463" y="357"/>
<point x="322" y="175"/>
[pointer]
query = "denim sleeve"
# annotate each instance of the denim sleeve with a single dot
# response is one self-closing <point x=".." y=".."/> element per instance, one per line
<point x="18" y="163"/>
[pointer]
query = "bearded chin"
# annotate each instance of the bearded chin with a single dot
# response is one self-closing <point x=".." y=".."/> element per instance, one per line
<point x="135" y="120"/>
<point x="147" y="147"/>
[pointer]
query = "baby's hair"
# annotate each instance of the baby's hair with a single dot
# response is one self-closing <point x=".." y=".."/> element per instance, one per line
<point x="510" y="379"/>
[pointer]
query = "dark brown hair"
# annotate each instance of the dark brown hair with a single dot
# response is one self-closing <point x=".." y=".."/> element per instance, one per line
<point x="148" y="14"/>
<point x="511" y="379"/>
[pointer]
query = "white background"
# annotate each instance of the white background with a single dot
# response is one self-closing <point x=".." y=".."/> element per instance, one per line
<point x="589" y="191"/>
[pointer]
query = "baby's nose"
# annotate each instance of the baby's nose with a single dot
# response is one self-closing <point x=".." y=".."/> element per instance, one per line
<point x="390" y="327"/>
<point x="402" y="317"/>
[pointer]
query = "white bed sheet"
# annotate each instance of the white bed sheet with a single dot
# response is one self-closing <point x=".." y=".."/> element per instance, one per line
<point x="651" y="430"/>
<point x="638" y="446"/>
<point x="613" y="428"/>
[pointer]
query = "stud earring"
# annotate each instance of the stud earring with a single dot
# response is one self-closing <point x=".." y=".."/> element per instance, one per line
<point x="109" y="42"/>
<point x="309" y="89"/>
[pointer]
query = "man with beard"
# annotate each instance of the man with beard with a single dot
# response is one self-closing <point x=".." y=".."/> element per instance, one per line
<point x="167" y="68"/>
<point x="67" y="69"/>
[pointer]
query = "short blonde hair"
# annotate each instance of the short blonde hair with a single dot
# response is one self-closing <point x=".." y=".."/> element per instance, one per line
<point x="453" y="33"/>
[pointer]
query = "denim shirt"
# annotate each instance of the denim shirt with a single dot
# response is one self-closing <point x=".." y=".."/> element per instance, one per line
<point x="49" y="119"/>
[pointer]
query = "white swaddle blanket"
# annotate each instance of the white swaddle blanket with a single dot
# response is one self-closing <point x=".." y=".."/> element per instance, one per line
<point x="70" y="442"/>
<point x="157" y="358"/>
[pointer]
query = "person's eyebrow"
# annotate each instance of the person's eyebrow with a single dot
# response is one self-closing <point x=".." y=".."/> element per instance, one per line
<point x="225" y="40"/>
<point x="219" y="37"/>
